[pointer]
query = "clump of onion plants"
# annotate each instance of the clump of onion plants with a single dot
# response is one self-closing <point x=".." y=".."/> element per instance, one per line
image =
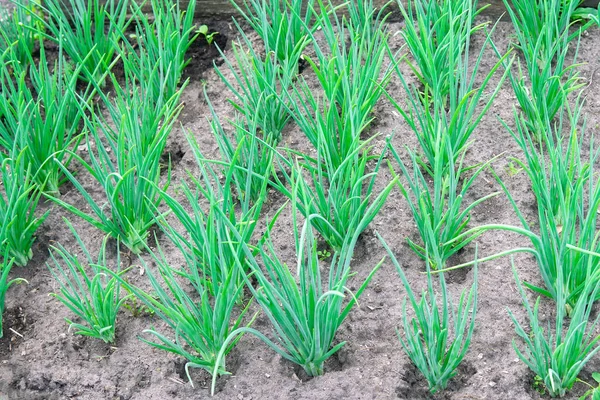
<point x="455" y="113"/>
<point x="567" y="189"/>
<point x="558" y="352"/>
<point x="200" y="320"/>
<point x="437" y="33"/>
<point x="16" y="33"/>
<point x="19" y="198"/>
<point x="249" y="154"/>
<point x="350" y="70"/>
<point x="285" y="26"/>
<point x="41" y="116"/>
<point x="439" y="210"/>
<point x="437" y="338"/>
<point x="128" y="167"/>
<point x="545" y="79"/>
<point x="162" y="43"/>
<point x="259" y="83"/>
<point x="343" y="197"/>
<point x="443" y="124"/>
<point x="335" y="183"/>
<point x="86" y="290"/>
<point x="304" y="307"/>
<point x="5" y="284"/>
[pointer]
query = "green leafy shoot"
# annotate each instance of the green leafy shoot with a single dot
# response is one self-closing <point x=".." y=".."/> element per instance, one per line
<point x="548" y="79"/>
<point x="437" y="338"/>
<point x="163" y="43"/>
<point x="19" y="198"/>
<point x="432" y="114"/>
<point x="343" y="197"/>
<point x="352" y="77"/>
<point x="128" y="167"/>
<point x="543" y="23"/>
<point x="283" y="26"/>
<point x="85" y="28"/>
<point x="86" y="290"/>
<point x="567" y="190"/>
<point x="42" y="116"/>
<point x="249" y="156"/>
<point x="438" y="210"/>
<point x="15" y="36"/>
<point x="205" y="229"/>
<point x="200" y="319"/>
<point x="254" y="77"/>
<point x="305" y="308"/>
<point x="437" y="34"/>
<point x="5" y="284"/>
<point x="557" y="354"/>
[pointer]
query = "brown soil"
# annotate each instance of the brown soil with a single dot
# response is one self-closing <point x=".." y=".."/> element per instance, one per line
<point x="41" y="359"/>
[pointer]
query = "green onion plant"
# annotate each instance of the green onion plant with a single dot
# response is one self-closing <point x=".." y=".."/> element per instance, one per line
<point x="204" y="228"/>
<point x="567" y="189"/>
<point x="163" y="43"/>
<point x="125" y="153"/>
<point x="255" y="77"/>
<point x="5" y="284"/>
<point x="558" y="353"/>
<point x="203" y="319"/>
<point x="199" y="319"/>
<point x="285" y="26"/>
<point x="343" y="197"/>
<point x="437" y="338"/>
<point x="437" y="34"/>
<point x="433" y="114"/>
<point x="351" y="74"/>
<point x="548" y="79"/>
<point x="86" y="290"/>
<point x="41" y="116"/>
<point x="19" y="199"/>
<point x="249" y="156"/>
<point x="88" y="31"/>
<point x="305" y="308"/>
<point x="439" y="210"/>
<point x="16" y="34"/>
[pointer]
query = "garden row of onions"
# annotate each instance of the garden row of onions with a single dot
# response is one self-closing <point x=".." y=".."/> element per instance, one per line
<point x="51" y="114"/>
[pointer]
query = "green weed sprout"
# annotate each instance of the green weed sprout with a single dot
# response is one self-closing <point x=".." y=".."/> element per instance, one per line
<point x="593" y="392"/>
<point x="5" y="284"/>
<point x="434" y="344"/>
<point x="42" y="116"/>
<point x="87" y="291"/>
<point x="85" y="28"/>
<point x="305" y="308"/>
<point x="557" y="354"/>
<point x="128" y="166"/>
<point x="437" y="33"/>
<point x="18" y="203"/>
<point x="255" y="77"/>
<point x="438" y="210"/>
<point x="282" y="25"/>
